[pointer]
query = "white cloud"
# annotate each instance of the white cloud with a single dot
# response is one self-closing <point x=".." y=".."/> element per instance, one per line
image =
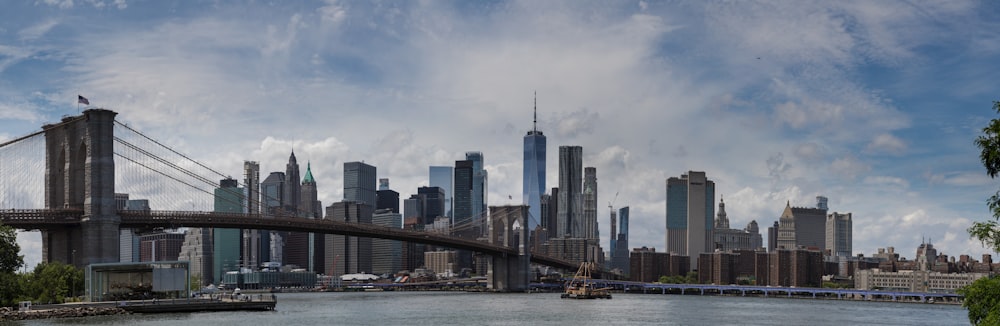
<point x="886" y="143"/>
<point x="650" y="91"/>
<point x="886" y="181"/>
<point x="849" y="167"/>
<point x="333" y="13"/>
<point x="37" y="30"/>
<point x="62" y="4"/>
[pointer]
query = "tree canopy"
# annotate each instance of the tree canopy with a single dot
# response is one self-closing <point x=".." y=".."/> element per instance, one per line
<point x="10" y="252"/>
<point x="982" y="297"/>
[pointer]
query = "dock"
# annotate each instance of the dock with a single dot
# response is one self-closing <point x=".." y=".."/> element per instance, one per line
<point x="263" y="302"/>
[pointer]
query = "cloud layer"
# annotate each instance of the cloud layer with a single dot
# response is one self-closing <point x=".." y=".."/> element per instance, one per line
<point x="777" y="102"/>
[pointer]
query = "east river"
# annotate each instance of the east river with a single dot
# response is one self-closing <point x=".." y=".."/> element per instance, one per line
<point x="460" y="308"/>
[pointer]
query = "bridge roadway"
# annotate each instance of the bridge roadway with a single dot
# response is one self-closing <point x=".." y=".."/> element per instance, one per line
<point x="40" y="219"/>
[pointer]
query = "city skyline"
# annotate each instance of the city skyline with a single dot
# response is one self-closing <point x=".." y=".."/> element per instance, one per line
<point x="877" y="112"/>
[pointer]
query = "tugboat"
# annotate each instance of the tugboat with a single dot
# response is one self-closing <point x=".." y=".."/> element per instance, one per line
<point x="582" y="286"/>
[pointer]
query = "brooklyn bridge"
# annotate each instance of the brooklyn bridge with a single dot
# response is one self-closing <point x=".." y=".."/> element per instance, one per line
<point x="88" y="158"/>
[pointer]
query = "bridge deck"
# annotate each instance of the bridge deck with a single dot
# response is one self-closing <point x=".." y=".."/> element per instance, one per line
<point x="38" y="219"/>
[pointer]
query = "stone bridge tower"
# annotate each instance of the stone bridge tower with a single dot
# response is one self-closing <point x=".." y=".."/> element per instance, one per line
<point x="80" y="175"/>
<point x="509" y="227"/>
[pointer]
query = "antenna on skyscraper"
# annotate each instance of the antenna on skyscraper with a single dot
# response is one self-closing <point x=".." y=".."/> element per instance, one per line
<point x="534" y="126"/>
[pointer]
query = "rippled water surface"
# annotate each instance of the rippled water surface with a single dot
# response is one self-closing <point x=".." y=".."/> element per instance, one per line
<point x="459" y="308"/>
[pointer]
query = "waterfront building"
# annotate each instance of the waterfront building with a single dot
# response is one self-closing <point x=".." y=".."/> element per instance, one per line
<point x="570" y="207"/>
<point x="533" y="173"/>
<point x="795" y="267"/>
<point x="387" y="255"/>
<point x="226" y="243"/>
<point x="386" y="198"/>
<point x="802" y="227"/>
<point x="348" y="254"/>
<point x="270" y="280"/>
<point x="359" y="183"/>
<point x="729" y="267"/>
<point x="689" y="215"/>
<point x="839" y="234"/>
<point x="443" y="177"/>
<point x="914" y="281"/>
<point x="647" y="265"/>
<point x="727" y="239"/>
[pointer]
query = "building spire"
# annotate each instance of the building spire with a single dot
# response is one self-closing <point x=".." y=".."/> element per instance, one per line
<point x="534" y="126"/>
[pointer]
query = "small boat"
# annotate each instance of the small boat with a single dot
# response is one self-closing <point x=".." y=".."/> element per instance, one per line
<point x="582" y="285"/>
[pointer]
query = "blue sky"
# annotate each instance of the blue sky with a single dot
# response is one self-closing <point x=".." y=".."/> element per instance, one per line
<point x="874" y="104"/>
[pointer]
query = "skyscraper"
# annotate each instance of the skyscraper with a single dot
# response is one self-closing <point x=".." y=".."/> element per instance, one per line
<point x="432" y="202"/>
<point x="312" y="208"/>
<point x="443" y="177"/>
<point x="229" y="198"/>
<point x="255" y="242"/>
<point x="462" y="200"/>
<point x="802" y="226"/>
<point x="297" y="248"/>
<point x="570" y="189"/>
<point x="359" y="183"/>
<point x="273" y="203"/>
<point x="293" y="189"/>
<point x="386" y="198"/>
<point x="480" y="184"/>
<point x="590" y="229"/>
<point x="839" y="234"/>
<point x="620" y="251"/>
<point x="533" y="183"/>
<point x="348" y="254"/>
<point x="690" y="210"/>
<point x="387" y="254"/>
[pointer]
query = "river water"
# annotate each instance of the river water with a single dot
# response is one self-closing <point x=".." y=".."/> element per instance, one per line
<point x="460" y="308"/>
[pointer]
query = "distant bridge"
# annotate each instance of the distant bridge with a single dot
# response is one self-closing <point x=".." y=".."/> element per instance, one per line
<point x="41" y="219"/>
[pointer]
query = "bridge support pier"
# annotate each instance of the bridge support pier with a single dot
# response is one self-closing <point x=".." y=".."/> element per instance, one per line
<point x="508" y="227"/>
<point x="80" y="174"/>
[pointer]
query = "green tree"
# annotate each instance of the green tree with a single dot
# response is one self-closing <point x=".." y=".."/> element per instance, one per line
<point x="53" y="282"/>
<point x="982" y="297"/>
<point x="10" y="258"/>
<point x="982" y="300"/>
<point x="10" y="261"/>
